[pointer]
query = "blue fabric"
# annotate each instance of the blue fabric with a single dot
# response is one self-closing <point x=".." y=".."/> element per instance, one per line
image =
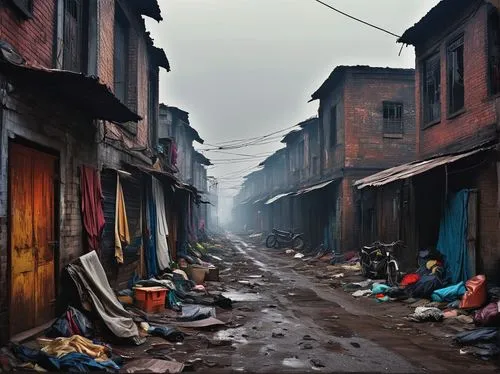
<point x="450" y="293"/>
<point x="452" y="242"/>
<point x="379" y="288"/>
<point x="151" y="260"/>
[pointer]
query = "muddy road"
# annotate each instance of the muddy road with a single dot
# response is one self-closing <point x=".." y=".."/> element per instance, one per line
<point x="286" y="320"/>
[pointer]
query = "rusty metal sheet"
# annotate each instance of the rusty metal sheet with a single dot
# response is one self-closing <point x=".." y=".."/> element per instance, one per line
<point x="411" y="169"/>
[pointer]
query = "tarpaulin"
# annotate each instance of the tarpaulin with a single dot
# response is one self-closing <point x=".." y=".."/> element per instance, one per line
<point x="452" y="241"/>
<point x="91" y="205"/>
<point x="151" y="248"/>
<point x="90" y="278"/>
<point x="162" y="252"/>
<point x="122" y="234"/>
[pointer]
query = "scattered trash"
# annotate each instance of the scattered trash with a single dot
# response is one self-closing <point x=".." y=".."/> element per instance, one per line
<point x="355" y="345"/>
<point x="361" y="293"/>
<point x="299" y="255"/>
<point x="277" y="333"/>
<point x="339" y="275"/>
<point x="423" y="314"/>
<point x="317" y="363"/>
<point x="153" y="366"/>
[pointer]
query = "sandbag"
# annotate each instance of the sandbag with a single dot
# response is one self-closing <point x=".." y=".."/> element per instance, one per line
<point x="450" y="293"/>
<point x="476" y="294"/>
<point x="488" y="316"/>
<point x="72" y="322"/>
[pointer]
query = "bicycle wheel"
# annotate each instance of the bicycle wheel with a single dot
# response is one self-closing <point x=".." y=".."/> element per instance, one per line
<point x="298" y="243"/>
<point x="392" y="274"/>
<point x="271" y="241"/>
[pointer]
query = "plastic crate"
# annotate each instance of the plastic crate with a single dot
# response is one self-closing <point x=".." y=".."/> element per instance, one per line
<point x="150" y="299"/>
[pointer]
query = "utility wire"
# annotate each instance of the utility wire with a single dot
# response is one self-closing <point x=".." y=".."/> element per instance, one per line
<point x="357" y="19"/>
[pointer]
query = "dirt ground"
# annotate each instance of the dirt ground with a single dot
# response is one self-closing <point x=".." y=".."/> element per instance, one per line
<point x="291" y="316"/>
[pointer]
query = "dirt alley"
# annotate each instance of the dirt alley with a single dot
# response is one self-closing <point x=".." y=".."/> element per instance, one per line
<point x="286" y="317"/>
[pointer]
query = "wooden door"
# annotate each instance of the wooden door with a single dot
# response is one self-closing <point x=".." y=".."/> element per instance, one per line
<point x="32" y="237"/>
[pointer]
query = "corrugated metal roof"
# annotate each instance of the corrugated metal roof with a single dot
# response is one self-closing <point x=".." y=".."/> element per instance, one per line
<point x="84" y="92"/>
<point x="277" y="197"/>
<point x="315" y="187"/>
<point x="411" y="169"/>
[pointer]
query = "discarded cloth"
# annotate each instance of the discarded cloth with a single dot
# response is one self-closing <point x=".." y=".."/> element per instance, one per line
<point x="396" y="293"/>
<point x="196" y="312"/>
<point x="424" y="287"/>
<point x="162" y="251"/>
<point x="76" y="343"/>
<point x="476" y="293"/>
<point x="91" y="206"/>
<point x="122" y="234"/>
<point x="381" y="298"/>
<point x="168" y="333"/>
<point x="72" y="322"/>
<point x="409" y="279"/>
<point x="90" y="278"/>
<point x="424" y="314"/>
<point x="479" y="335"/>
<point x="482" y="350"/>
<point x="361" y="293"/>
<point x="450" y="293"/>
<point x="378" y="288"/>
<point x="489" y="315"/>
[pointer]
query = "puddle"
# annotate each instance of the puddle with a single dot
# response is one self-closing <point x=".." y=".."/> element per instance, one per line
<point x="295" y="363"/>
<point x="240" y="296"/>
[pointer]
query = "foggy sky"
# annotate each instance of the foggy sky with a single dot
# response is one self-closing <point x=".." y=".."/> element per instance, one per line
<point x="244" y="68"/>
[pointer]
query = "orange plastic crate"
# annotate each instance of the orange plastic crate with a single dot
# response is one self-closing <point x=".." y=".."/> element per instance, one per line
<point x="150" y="299"/>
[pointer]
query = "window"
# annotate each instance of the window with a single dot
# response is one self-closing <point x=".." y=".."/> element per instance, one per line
<point x="333" y="126"/>
<point x="121" y="56"/>
<point x="456" y="75"/>
<point x="494" y="51"/>
<point x="432" y="90"/>
<point x="74" y="53"/>
<point x="393" y="118"/>
<point x="24" y="6"/>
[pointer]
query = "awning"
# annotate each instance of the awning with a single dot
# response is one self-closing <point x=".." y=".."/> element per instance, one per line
<point x="315" y="187"/>
<point x="411" y="169"/>
<point x="277" y="197"/>
<point x="84" y="92"/>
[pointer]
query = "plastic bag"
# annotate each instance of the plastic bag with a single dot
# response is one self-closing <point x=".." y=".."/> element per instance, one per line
<point x="476" y="294"/>
<point x="72" y="322"/>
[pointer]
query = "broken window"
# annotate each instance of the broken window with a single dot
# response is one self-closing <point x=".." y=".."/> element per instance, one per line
<point x="333" y="126"/>
<point x="24" y="6"/>
<point x="494" y="51"/>
<point x="393" y="118"/>
<point x="456" y="75"/>
<point x="121" y="56"/>
<point x="75" y="25"/>
<point x="432" y="90"/>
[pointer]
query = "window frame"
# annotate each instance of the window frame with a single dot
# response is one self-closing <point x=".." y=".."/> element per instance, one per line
<point x="457" y="42"/>
<point x="333" y="140"/>
<point x="386" y="121"/>
<point x="493" y="12"/>
<point x="121" y="18"/>
<point x="26" y="10"/>
<point x="425" y="121"/>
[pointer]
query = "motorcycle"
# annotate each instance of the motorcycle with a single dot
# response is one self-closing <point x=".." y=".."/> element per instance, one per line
<point x="280" y="239"/>
<point x="378" y="261"/>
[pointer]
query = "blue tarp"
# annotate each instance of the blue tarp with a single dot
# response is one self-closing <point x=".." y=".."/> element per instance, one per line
<point x="452" y="243"/>
<point x="151" y="247"/>
<point x="450" y="293"/>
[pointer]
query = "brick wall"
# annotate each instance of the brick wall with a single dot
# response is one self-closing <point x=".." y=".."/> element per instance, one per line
<point x="366" y="145"/>
<point x="479" y="107"/>
<point x="33" y="38"/>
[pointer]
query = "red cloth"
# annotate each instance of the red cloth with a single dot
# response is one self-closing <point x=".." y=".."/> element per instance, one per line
<point x="409" y="279"/>
<point x="92" y="211"/>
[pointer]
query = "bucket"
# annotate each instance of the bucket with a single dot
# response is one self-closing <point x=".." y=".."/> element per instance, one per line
<point x="198" y="274"/>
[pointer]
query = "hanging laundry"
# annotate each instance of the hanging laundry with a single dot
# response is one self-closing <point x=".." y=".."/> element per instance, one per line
<point x="122" y="235"/>
<point x="162" y="252"/>
<point x="91" y="206"/>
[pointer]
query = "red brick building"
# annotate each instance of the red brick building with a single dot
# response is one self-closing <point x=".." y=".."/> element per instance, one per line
<point x="457" y="48"/>
<point x="78" y="86"/>
<point x="367" y="123"/>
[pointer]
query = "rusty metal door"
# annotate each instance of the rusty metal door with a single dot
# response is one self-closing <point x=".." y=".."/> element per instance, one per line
<point x="32" y="237"/>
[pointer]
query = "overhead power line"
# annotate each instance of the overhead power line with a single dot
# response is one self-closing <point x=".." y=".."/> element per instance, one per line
<point x="357" y="19"/>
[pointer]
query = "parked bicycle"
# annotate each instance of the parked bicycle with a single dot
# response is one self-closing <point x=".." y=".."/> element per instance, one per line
<point x="378" y="261"/>
<point x="280" y="239"/>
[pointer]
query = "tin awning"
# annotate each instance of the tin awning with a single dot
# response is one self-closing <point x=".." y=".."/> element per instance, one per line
<point x="315" y="187"/>
<point x="277" y="197"/>
<point x="411" y="169"/>
<point x="86" y="93"/>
